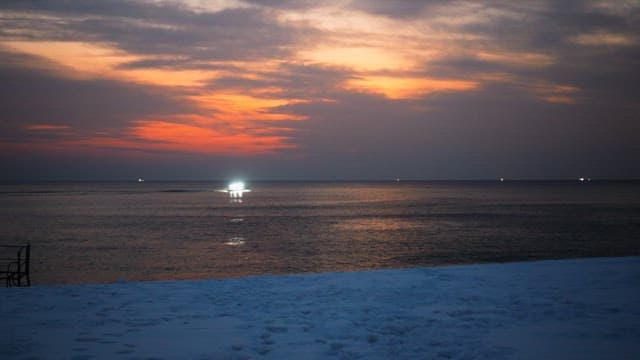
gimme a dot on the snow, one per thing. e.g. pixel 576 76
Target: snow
pixel 567 309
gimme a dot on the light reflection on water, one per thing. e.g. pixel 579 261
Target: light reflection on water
pixel 235 241
pixel 379 224
pixel 100 232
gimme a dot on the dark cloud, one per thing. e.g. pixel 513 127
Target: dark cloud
pixel 226 35
pixel 395 9
pixel 175 63
pixel 547 28
pixel 600 72
pixel 286 4
pixel 33 92
pixel 311 82
pixel 135 10
pixel 243 34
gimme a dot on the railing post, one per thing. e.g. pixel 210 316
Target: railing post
pixel 19 260
pixel 26 264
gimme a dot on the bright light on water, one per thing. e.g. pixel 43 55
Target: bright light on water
pixel 236 186
pixel 236 189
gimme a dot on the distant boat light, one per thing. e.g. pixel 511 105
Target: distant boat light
pixel 236 189
pixel 236 186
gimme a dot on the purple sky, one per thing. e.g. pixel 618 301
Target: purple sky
pixel 112 90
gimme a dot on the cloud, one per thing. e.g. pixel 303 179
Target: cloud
pixel 397 9
pixel 407 88
pixel 375 88
pixel 34 94
pixel 602 38
pixel 46 127
pixel 69 114
pixel 286 4
pixel 157 32
pixel 188 138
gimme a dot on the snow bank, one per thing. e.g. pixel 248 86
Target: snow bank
pixel 567 309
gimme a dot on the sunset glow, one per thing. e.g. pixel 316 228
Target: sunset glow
pixel 181 137
pixel 402 88
pixel 243 78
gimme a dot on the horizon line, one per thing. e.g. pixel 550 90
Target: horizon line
pixel 577 179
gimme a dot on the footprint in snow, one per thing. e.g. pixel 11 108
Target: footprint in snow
pixel 277 329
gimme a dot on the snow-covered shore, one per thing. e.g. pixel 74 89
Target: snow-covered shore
pixel 569 309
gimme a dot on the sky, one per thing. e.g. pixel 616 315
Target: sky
pixel 319 90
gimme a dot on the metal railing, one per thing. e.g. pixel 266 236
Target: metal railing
pixel 14 264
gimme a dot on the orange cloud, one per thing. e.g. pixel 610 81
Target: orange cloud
pixel 166 135
pixel 46 127
pixel 602 38
pixel 160 135
pixel 357 58
pixel 84 60
pixel 235 107
pixel 407 88
pixel 554 93
pixel 88 60
pixel 522 59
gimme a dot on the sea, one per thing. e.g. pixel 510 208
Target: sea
pixel 102 232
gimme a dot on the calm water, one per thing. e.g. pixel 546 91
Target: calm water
pixel 101 232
